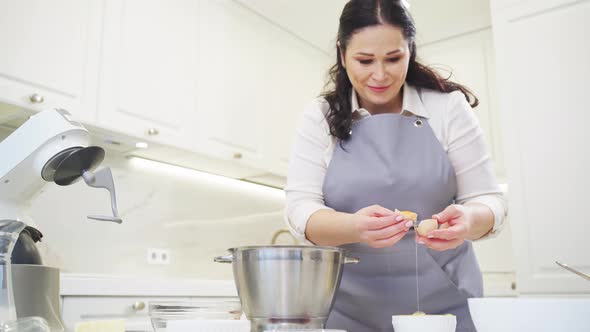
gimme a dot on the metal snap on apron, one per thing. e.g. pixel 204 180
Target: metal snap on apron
pixel 396 161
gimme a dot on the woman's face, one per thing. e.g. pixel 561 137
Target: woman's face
pixel 376 62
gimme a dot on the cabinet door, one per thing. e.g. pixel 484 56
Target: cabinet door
pixel 463 16
pixel 147 83
pixel 255 79
pixel 232 80
pixel 298 72
pixel 543 70
pixel 515 9
pixel 469 58
pixel 133 309
pixel 49 54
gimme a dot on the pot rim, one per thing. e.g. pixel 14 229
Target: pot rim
pixel 305 247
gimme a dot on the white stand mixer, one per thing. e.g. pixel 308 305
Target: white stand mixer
pixel 49 147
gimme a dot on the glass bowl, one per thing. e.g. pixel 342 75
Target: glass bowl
pixel 161 312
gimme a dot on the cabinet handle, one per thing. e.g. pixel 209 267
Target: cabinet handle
pixel 138 306
pixel 36 98
pixel 237 155
pixel 153 131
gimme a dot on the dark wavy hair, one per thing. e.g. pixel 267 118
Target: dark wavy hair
pixel 359 14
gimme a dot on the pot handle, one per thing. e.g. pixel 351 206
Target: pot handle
pixel 351 260
pixel 224 259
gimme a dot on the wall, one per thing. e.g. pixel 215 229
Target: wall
pixel 195 216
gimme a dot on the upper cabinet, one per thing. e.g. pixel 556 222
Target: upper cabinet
pixel 543 70
pixel 516 8
pixel 440 20
pixel 469 59
pixel 314 21
pixel 254 80
pixel 149 68
pixel 212 77
pixel 49 55
pixel 231 71
pixel 298 76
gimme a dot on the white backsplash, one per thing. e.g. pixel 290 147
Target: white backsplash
pixel 193 217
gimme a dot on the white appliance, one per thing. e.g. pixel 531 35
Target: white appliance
pixel 49 147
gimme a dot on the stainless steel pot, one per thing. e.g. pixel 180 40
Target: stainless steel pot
pixel 286 286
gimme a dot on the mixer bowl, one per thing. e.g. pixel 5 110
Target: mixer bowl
pixel 286 286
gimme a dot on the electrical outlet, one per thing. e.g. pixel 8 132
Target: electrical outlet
pixel 165 256
pixel 158 256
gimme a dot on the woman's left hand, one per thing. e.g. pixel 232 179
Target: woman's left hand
pixel 455 223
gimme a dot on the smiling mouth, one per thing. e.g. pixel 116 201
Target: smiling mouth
pixel 378 88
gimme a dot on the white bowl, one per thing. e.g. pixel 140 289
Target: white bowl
pixel 530 314
pixel 304 330
pixel 418 323
pixel 206 325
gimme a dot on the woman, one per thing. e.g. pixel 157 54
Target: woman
pixel 392 134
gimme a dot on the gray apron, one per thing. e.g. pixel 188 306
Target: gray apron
pixel 396 161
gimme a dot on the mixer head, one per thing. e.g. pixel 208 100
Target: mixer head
pixel 68 166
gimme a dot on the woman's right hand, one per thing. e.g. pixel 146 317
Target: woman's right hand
pixel 380 227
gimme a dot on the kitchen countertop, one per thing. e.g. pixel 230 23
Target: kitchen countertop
pixel 108 285
pixel 496 284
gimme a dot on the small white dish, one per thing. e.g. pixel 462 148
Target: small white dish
pixel 305 330
pixel 208 325
pixel 430 323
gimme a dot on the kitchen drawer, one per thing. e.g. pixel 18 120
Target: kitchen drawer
pixel 134 309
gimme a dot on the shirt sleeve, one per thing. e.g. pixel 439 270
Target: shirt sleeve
pixel 469 155
pixel 307 169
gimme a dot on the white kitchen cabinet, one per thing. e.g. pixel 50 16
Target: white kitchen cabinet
pixel 298 74
pixel 49 54
pixel 254 80
pixel 148 70
pixel 133 309
pixel 517 8
pixel 440 20
pixel 496 261
pixel 470 60
pixel 543 69
pixel 231 76
pixel 101 297
pixel 495 254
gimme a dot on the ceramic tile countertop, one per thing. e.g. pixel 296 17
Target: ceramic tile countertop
pixel 106 285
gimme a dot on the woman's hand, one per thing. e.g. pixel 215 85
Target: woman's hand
pixel 455 224
pixel 380 227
